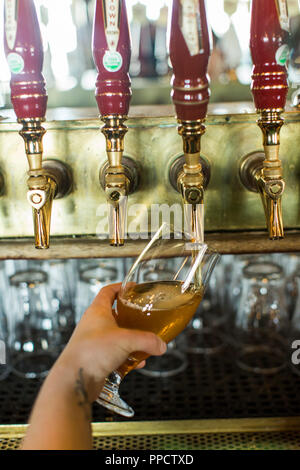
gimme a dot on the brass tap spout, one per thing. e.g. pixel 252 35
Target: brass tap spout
pixel 190 180
pixel 41 188
pixel 47 180
pixel 116 182
pixel 269 178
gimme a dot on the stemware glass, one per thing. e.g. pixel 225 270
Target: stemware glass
pixel 295 327
pixel 262 322
pixel 205 332
pixel 34 338
pixel 164 306
pixel 5 365
pixel 290 264
pixel 60 280
pixel 91 280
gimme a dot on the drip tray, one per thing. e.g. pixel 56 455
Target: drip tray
pixel 209 388
pixel 237 441
pixel 212 389
pixel 242 434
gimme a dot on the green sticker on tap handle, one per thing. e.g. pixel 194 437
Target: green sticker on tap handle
pixel 112 61
pixel 15 63
pixel 282 54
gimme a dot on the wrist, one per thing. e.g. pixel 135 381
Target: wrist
pixel 77 378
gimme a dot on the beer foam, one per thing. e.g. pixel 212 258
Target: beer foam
pixel 158 295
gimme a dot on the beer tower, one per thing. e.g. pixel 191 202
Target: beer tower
pixel 24 51
pixel 189 53
pixel 112 52
pixel 262 172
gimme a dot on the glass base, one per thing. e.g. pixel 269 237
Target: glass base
pixel 261 351
pixel 173 362
pixel 32 366
pixel 204 340
pixel 262 360
pixel 4 371
pixel 110 398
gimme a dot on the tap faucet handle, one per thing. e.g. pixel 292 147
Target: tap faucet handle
pixel 189 52
pixel 24 51
pixel 112 53
pixel 269 49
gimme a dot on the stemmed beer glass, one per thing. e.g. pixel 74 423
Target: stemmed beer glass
pixel 164 306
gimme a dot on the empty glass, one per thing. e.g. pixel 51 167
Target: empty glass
pixel 290 264
pixel 91 280
pixel 294 340
pixel 117 263
pixel 205 332
pixel 234 289
pixel 262 323
pixel 5 366
pixel 61 276
pixel 34 337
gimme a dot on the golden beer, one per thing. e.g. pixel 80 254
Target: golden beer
pixel 159 307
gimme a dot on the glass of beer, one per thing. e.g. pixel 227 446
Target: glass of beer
pixel 163 306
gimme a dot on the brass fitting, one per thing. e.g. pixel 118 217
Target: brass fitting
pixel 265 174
pixel 46 181
pixel 270 180
pixel 190 181
pixel 116 181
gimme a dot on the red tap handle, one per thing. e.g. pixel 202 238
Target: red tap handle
pixel 189 53
pixel 24 51
pixel 269 50
pixel 112 53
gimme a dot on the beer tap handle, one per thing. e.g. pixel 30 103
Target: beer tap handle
pixel 270 52
pixel 24 51
pixel 112 53
pixel 189 53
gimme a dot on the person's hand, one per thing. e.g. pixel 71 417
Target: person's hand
pixel 98 346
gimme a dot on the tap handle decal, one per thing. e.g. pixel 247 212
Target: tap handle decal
pixel 112 52
pixel 270 52
pixel 24 52
pixel 189 53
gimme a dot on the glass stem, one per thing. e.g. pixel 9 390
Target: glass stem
pixel 115 378
pixel 112 383
pixel 109 396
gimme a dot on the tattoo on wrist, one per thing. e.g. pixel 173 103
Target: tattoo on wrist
pixel 81 392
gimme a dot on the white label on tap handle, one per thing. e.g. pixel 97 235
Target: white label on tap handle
pixel 283 14
pixel 11 9
pixel 190 25
pixel 112 20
